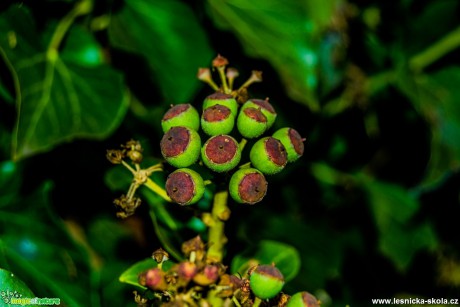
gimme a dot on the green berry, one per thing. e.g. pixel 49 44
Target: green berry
pixel 181 115
pixel 221 153
pixel 251 122
pixel 180 146
pixel 217 119
pixel 185 186
pixel 292 141
pixel 223 99
pixel 266 108
pixel 266 281
pixel 268 155
pixel 247 186
pixel 303 299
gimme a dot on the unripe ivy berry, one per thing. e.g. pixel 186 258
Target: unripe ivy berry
pixel 266 108
pixel 303 299
pixel 153 279
pixel 251 122
pixel 221 153
pixel 208 275
pixel 185 186
pixel 181 115
pixel 180 146
pixel 292 141
pixel 223 99
pixel 268 155
pixel 217 119
pixel 266 281
pixel 247 186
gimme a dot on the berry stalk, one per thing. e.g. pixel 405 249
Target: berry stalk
pixel 219 214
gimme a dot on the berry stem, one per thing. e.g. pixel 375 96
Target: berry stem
pixel 223 78
pixel 216 234
pixel 149 183
pixel 204 74
pixel 242 143
pixel 245 165
pixel 436 51
pixel 81 8
pixel 235 301
pixel 257 302
pixel 132 170
pixel 256 76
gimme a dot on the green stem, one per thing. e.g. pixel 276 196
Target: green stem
pixel 436 51
pixel 81 8
pixel 157 189
pixel 216 233
pixel 243 143
pixel 257 302
pixel 235 301
pixel 223 79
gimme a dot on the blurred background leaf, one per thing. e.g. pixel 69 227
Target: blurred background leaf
pixel 284 33
pixel 374 211
pixel 57 98
pixel 11 283
pixel 166 34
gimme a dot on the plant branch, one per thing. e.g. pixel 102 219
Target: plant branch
pixel 81 8
pixel 149 183
pixel 219 214
pixel 435 51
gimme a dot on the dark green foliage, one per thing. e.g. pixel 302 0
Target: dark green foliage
pixel 368 211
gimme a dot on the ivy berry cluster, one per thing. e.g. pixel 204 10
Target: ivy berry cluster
pixel 182 146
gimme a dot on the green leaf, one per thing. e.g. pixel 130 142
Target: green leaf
pixel 58 96
pixel 283 33
pixel 35 245
pixel 170 38
pixel 285 257
pixel 10 181
pixel 436 97
pixel 393 207
pixel 12 287
pixel 131 275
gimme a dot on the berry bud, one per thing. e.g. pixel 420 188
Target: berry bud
pixel 222 99
pixel 221 153
pixel 180 146
pixel 181 115
pixel 268 155
pixel 153 279
pixel 187 270
pixel 266 281
pixel 266 108
pixel 248 186
pixel 251 122
pixel 185 186
pixel 292 141
pixel 217 119
pixel 208 275
pixel 303 299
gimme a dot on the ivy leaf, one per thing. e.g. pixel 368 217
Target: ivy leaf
pixel 169 37
pixel 12 285
pixel 285 257
pixel 393 207
pixel 282 33
pixel 58 97
pixel 36 245
pixel 436 97
pixel 131 275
